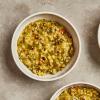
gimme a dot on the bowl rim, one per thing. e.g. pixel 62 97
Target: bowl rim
pixel 74 83
pixel 58 15
pixel 98 36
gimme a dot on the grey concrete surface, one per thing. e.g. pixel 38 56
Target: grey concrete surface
pixel 84 14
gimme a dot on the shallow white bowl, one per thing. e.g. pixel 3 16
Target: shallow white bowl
pixel 59 91
pixel 51 16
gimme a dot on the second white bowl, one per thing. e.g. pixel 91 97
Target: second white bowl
pixel 59 91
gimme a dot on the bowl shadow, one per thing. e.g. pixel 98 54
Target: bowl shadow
pixel 15 72
pixel 92 20
pixel 93 46
pixel 92 43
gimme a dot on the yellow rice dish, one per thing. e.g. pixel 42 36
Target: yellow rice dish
pixel 45 47
pixel 79 93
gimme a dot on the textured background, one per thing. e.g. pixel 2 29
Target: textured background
pixel 84 14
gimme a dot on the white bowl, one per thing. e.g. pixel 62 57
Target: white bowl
pixel 59 91
pixel 99 35
pixel 50 16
